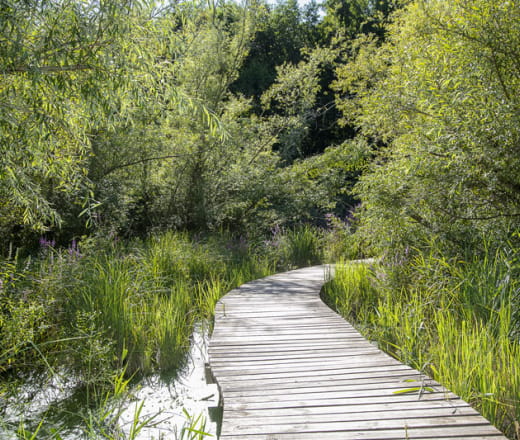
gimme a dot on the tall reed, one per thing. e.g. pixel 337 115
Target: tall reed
pixel 457 321
pixel 104 307
pixel 85 305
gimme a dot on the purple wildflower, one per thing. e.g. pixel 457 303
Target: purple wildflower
pixel 74 249
pixel 46 244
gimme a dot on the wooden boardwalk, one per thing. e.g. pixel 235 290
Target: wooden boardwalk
pixel 288 367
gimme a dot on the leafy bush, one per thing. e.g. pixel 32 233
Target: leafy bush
pixel 438 101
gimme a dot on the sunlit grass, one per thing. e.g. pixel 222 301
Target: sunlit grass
pixel 457 321
pixel 109 308
pixel 147 297
pixel 113 308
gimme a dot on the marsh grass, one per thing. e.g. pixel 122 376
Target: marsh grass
pixel 105 308
pixel 352 291
pixel 148 296
pixel 301 246
pixel 457 321
pixel 110 307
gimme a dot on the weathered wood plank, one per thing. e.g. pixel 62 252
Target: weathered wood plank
pixel 382 387
pixel 347 397
pixel 357 382
pixel 241 404
pixel 288 367
pixel 340 416
pixel 242 427
pixel 283 358
pixel 482 432
pixel 287 350
pixel 449 408
pixel 320 365
pixel 293 330
pixel 337 372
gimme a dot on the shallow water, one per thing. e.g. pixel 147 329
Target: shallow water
pixel 189 391
pixel 165 401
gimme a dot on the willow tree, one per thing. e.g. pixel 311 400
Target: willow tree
pixel 68 70
pixel 167 168
pixel 175 171
pixel 440 101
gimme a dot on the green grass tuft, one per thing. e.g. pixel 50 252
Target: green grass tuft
pixel 456 320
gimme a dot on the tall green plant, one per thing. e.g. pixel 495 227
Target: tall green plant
pixel 454 320
pixel 77 78
pixel 439 102
pixel 300 246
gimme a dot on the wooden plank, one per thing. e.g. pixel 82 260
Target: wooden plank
pixel 235 419
pixel 452 407
pixel 321 364
pixel 323 382
pixel 273 353
pixel 285 341
pixel 481 432
pixel 283 357
pixel 341 372
pixel 270 335
pixel 347 396
pixel 288 367
pixel 281 321
pixel 242 404
pixel 273 331
pixel 296 380
pixel 297 326
pixel 397 423
pixel 391 387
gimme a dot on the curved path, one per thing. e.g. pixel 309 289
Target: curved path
pixel 288 367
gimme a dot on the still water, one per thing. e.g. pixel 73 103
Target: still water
pixel 188 392
pixel 165 401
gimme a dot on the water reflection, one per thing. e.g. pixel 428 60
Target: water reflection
pixel 189 391
pixel 163 399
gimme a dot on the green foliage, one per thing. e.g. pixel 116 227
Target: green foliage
pixel 442 96
pixel 456 320
pixel 75 75
pixel 283 30
pixel 293 98
pixel 178 172
pixel 302 246
pixel 353 291
pixel 24 320
pixel 147 297
pixel 58 62
pixel 105 305
pixel 126 117
pixel 198 180
pixel 195 429
pixel 353 17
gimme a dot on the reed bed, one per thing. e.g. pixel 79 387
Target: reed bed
pixel 456 320
pixel 103 306
pixel 83 316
